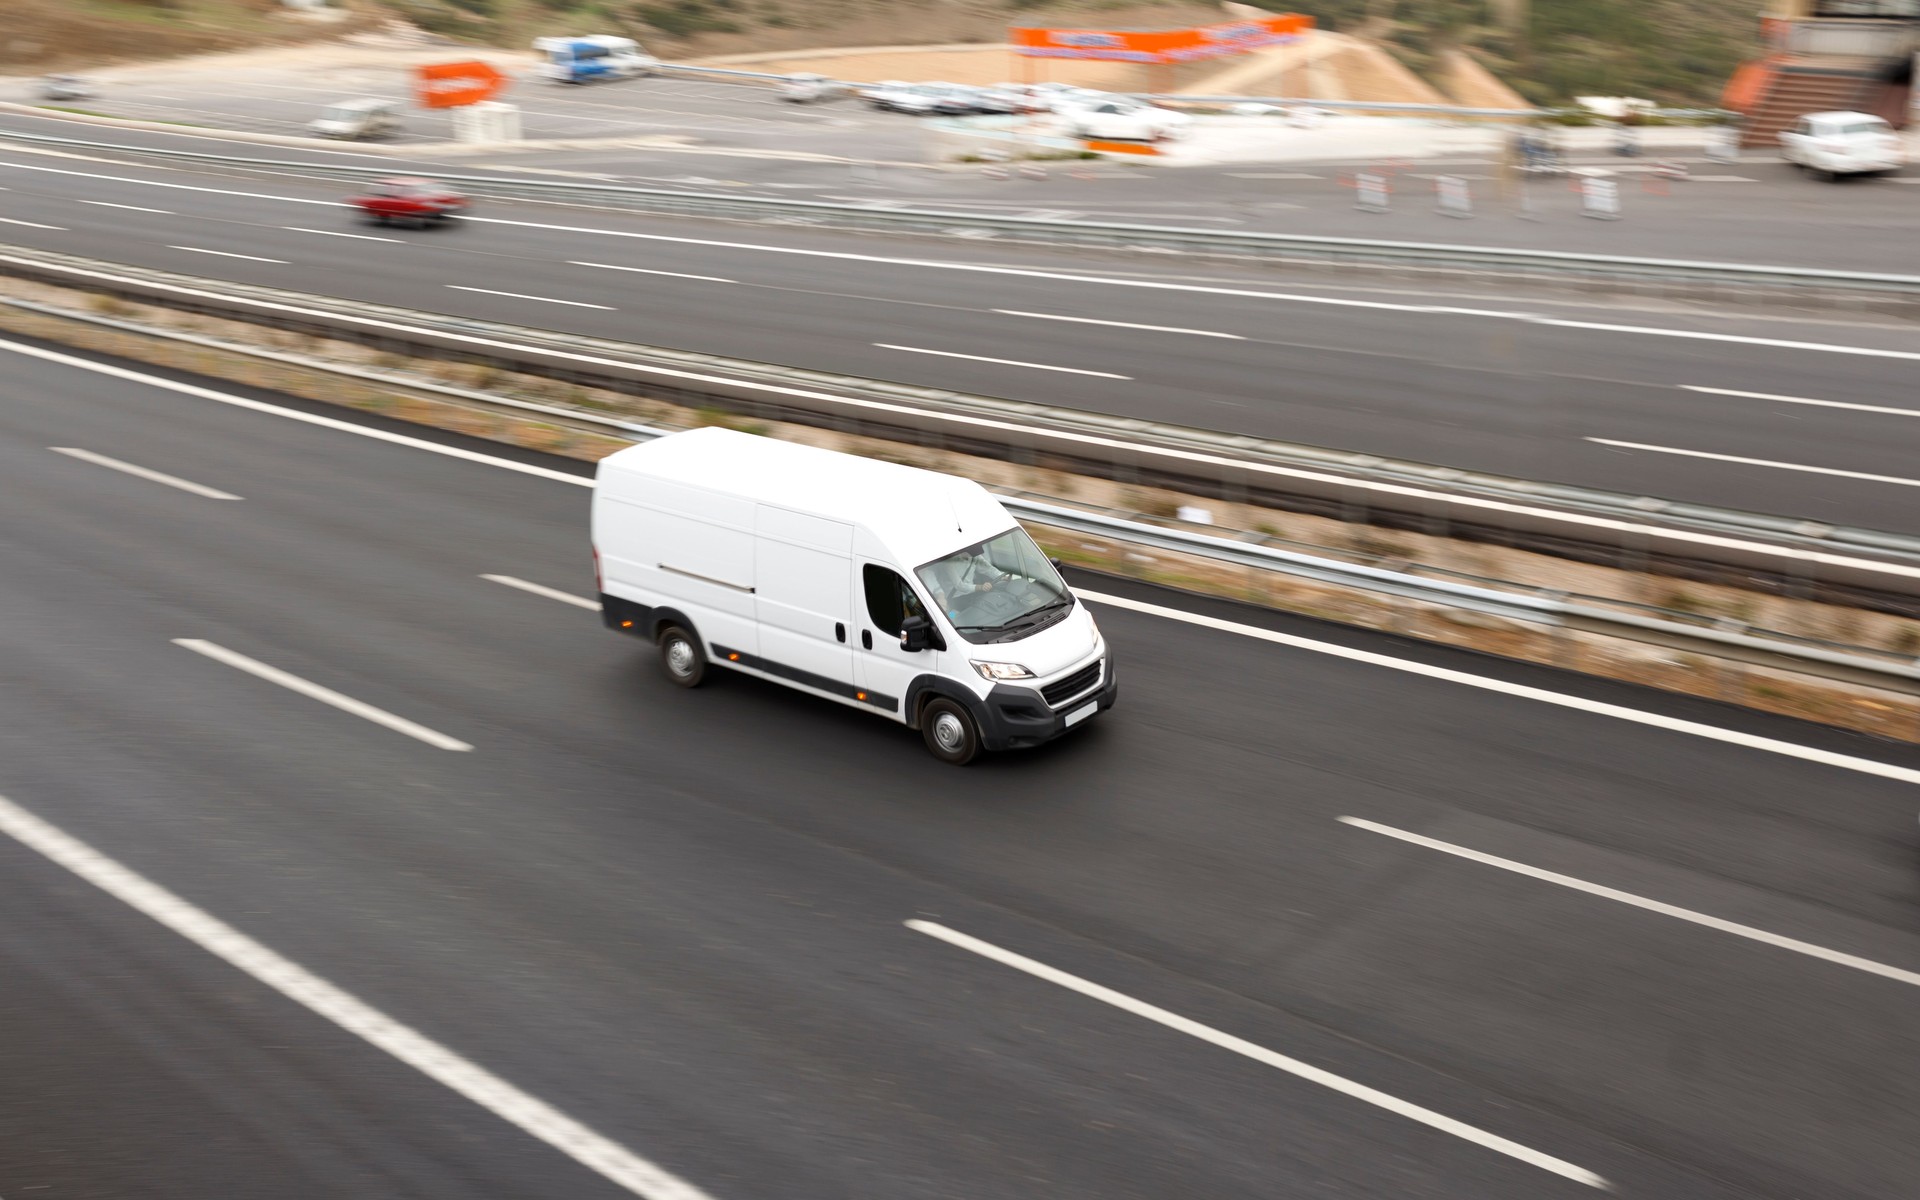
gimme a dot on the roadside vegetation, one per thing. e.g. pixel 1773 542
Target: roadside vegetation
pixel 700 27
pixel 53 35
pixel 1673 51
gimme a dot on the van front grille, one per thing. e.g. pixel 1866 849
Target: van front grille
pixel 1066 689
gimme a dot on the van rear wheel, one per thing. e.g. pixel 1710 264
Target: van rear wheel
pixel 681 656
pixel 950 731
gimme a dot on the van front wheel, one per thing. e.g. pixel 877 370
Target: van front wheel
pixel 950 731
pixel 680 655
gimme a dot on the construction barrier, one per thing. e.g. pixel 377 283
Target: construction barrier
pixel 1599 197
pixel 1370 192
pixel 1452 196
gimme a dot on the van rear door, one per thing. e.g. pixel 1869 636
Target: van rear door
pixel 803 578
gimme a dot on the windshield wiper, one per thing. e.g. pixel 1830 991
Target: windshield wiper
pixel 1028 618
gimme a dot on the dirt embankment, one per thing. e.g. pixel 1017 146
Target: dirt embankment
pixel 39 36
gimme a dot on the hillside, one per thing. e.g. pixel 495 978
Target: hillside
pixel 1673 51
pixel 698 28
pixel 51 35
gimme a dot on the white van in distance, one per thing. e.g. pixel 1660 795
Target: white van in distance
pixel 903 592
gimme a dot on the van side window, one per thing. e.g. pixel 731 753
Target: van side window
pixel 889 599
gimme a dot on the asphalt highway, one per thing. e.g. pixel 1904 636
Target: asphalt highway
pixel 1804 416
pixel 659 940
pixel 742 141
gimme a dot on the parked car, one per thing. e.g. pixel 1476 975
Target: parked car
pixel 1120 121
pixel 1842 143
pixel 895 591
pixel 921 99
pixel 358 120
pixel 411 201
pixel 958 99
pixel 807 88
pixel 1026 97
pixel 879 95
pixel 66 87
pixel 1066 98
pixel 997 101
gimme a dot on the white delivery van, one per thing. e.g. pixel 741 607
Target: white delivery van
pixel 887 588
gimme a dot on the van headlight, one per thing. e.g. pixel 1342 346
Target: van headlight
pixel 1000 670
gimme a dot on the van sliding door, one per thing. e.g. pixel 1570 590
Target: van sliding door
pixel 802 596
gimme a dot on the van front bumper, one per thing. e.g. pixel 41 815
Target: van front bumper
pixel 1012 717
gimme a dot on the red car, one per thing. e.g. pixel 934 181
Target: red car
pixel 410 201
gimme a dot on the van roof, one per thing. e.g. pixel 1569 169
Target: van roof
pixel 917 515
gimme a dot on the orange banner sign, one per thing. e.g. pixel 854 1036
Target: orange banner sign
pixel 451 85
pixel 1161 45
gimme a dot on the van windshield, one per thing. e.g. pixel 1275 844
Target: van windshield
pixel 997 590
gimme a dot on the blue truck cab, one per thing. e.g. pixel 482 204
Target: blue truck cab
pixel 592 59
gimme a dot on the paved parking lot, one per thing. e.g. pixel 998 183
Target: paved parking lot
pixel 704 111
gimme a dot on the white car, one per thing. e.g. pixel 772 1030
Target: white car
pixel 914 99
pixel 879 94
pixel 1842 143
pixel 807 88
pixel 1069 98
pixel 1120 121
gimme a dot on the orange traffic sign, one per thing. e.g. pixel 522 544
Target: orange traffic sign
pixel 451 85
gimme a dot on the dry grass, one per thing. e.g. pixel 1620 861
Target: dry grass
pixel 53 35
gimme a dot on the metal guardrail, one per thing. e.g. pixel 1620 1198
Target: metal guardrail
pixel 1283 247
pixel 1509 601
pixel 1860 567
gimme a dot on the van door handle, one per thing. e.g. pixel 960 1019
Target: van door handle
pixel 840 630
pixel 866 639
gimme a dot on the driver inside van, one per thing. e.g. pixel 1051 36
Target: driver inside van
pixel 962 573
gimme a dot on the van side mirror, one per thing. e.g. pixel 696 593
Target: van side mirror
pixel 916 634
pixel 1056 563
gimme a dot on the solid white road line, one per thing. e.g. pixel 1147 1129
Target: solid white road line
pixel 1035 273
pixel 540 589
pixel 363 237
pixel 1260 1054
pixel 230 254
pixel 542 299
pixel 1667 910
pixel 1099 441
pixel 178 187
pixel 173 481
pixel 645 271
pixel 292 414
pixel 1872 408
pixel 1008 312
pixel 1759 462
pixel 534 1116
pixel 1847 762
pixel 129 207
pixel 1004 362
pixel 33 224
pixel 313 691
